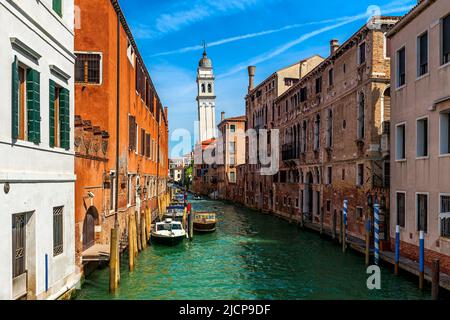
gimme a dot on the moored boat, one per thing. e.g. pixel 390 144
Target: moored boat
pixel 205 222
pixel 175 212
pixel 168 233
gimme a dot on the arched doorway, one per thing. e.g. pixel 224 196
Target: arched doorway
pixel 90 220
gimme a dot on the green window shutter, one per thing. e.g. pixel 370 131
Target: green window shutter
pixel 33 106
pixel 57 7
pixel 15 99
pixel 52 113
pixel 64 118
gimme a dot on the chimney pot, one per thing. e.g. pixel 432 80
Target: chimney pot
pixel 251 78
pixel 334 45
pixel 222 116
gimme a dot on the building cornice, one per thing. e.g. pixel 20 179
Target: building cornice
pixel 411 15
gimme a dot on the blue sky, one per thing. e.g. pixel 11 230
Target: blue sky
pixel 270 34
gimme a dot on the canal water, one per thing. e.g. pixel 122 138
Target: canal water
pixel 251 256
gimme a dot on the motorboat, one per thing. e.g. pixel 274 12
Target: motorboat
pixel 175 212
pixel 168 232
pixel 205 222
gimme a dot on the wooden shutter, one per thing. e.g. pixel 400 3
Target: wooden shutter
pixel 33 106
pixel 147 145
pixel 57 7
pixel 132 133
pixel 64 118
pixel 446 35
pixel 51 119
pixel 15 99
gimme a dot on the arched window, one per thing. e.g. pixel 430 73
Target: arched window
pixel 203 88
pixel 361 116
pixel 317 133
pixel 304 136
pixel 330 129
pixel 209 88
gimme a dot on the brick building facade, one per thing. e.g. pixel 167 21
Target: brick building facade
pixel 113 83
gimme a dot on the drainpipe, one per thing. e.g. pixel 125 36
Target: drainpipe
pixel 116 195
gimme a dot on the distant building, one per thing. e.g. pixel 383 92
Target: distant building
pixel 420 131
pixel 37 179
pixel 261 111
pixel 232 155
pixel 205 180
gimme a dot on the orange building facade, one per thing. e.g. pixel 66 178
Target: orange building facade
pixel 113 83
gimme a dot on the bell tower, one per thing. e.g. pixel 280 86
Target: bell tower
pixel 206 98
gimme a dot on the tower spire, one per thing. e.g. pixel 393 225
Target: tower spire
pixel 204 48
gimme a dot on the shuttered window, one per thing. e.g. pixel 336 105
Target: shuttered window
pixel 54 115
pixel 147 145
pixel 64 118
pixel 33 106
pixel 57 7
pixel 142 153
pixel 58 242
pixel 132 132
pixel 15 99
pixel 445 216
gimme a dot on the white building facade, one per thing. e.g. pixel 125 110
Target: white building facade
pixel 206 99
pixel 37 180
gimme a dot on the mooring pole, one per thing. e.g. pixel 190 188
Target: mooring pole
pixel 421 260
pixel 368 228
pixel 435 280
pixel 397 249
pixel 376 213
pixel 130 243
pixel 344 230
pixel 113 278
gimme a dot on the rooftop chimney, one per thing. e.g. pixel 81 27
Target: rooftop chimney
pixel 251 77
pixel 222 116
pixel 334 45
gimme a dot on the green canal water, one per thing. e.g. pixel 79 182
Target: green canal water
pixel 251 256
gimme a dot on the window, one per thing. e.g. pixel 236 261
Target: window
pixel 232 128
pixel 445 132
pixel 400 142
pixel 26 118
pixel 303 94
pixel 112 190
pixel 387 47
pixel 59 116
pixel 58 243
pixel 147 145
pixel 209 88
pixel 422 54
pixel 304 136
pixel 329 175
pixel 132 132
pixel 317 133
pixel 130 189
pixel 446 40
pixel 361 116
pixel 88 68
pixel 422 212
pixel 130 52
pixel 330 77
pixel 360 175
pixel 319 85
pixel 142 142
pixel 57 7
pixel 233 177
pixel 330 129
pixel 445 216
pixel 362 53
pixel 401 209
pixel 401 67
pixel 359 214
pixel 422 137
pixel 328 205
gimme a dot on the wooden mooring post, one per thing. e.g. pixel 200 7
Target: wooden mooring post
pixel 135 242
pixel 334 225
pixel 397 250
pixel 367 252
pixel 138 233
pixel 435 280
pixel 113 261
pixel 344 225
pixel 130 243
pixel 422 260
pixel 143 232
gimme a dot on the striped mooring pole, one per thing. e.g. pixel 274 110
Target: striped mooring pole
pixel 397 248
pixel 422 260
pixel 344 235
pixel 376 213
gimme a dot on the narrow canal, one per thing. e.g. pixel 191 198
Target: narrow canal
pixel 251 256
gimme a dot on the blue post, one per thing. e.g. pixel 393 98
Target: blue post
pixel 376 211
pixel 46 272
pixel 344 234
pixel 422 260
pixel 397 248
